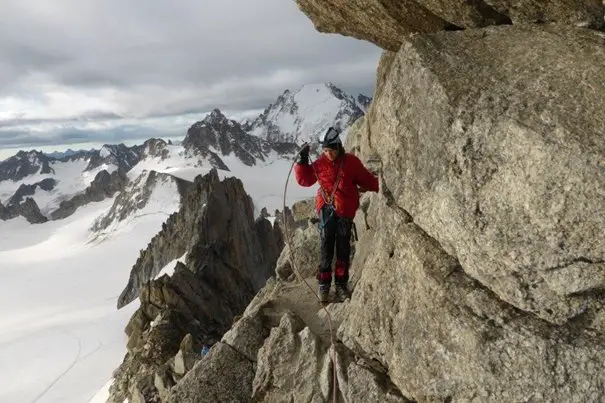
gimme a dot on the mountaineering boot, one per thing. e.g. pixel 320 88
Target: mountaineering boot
pixel 342 292
pixel 324 293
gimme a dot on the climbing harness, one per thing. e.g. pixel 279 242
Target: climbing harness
pixel 295 269
pixel 328 198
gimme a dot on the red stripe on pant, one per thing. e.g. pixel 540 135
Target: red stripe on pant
pixel 324 277
pixel 342 272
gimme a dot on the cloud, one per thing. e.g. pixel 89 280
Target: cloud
pixel 70 61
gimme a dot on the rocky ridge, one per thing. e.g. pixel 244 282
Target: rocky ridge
pixel 28 209
pixel 104 185
pixel 24 190
pixel 229 257
pixel 217 136
pixel 24 163
pixel 301 115
pixel 135 195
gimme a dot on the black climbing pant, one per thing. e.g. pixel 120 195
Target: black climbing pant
pixel 335 233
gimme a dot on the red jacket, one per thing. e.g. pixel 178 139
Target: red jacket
pixel 346 197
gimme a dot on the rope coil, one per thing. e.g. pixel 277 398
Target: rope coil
pixel 297 272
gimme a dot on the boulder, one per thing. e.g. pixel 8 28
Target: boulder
pixel 493 142
pixel 305 244
pixel 386 23
pixel 443 336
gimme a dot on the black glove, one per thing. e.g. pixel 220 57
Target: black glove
pixel 303 155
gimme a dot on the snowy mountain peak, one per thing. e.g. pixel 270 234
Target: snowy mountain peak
pixel 216 116
pixel 150 193
pixel 217 135
pixel 116 155
pixel 302 115
pixel 23 164
pixel 154 148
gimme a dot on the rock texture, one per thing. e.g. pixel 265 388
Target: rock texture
pixel 229 258
pixel 301 115
pixel 503 164
pixel 217 136
pixel 280 350
pixel 224 211
pixel 136 195
pixel 103 186
pixel 24 190
pixel 119 155
pixel 28 209
pixel 387 22
pixel 498 281
pixel 23 164
pixel 444 336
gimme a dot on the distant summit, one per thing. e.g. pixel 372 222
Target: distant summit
pixel 301 115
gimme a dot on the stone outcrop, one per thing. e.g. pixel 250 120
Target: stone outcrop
pixel 23 164
pixel 104 185
pixel 386 23
pixel 118 155
pixel 207 197
pixel 28 209
pixel 443 335
pixel 25 190
pixel 280 350
pixel 500 158
pixel 485 232
pixel 230 256
pixel 137 194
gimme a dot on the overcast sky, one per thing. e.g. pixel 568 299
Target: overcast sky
pixel 73 70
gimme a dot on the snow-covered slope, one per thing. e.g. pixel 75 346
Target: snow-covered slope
pixel 71 178
pixel 149 194
pixel 300 116
pixel 61 336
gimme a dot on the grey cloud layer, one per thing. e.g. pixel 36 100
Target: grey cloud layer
pixel 165 57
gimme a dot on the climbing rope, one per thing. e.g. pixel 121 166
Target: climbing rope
pixel 295 269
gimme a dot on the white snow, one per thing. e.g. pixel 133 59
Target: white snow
pixel 169 268
pixel 264 182
pixel 306 114
pixel 61 335
pixel 71 180
pixel 104 152
pixel 163 201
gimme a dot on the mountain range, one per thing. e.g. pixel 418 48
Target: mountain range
pixel 42 187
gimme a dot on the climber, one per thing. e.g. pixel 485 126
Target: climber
pixel 341 176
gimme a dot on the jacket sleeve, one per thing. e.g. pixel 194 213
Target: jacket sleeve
pixel 304 175
pixel 364 178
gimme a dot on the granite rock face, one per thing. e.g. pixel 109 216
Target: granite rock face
pixel 387 22
pixel 500 158
pixel 104 185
